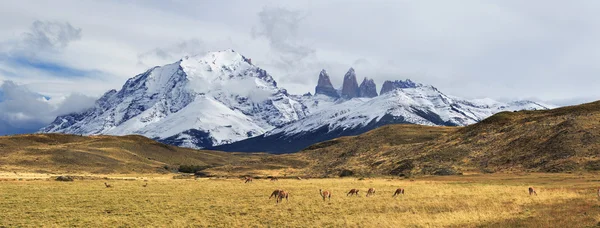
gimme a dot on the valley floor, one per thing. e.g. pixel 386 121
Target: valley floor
pixel 494 200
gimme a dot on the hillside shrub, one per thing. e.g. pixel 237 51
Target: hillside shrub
pixel 192 168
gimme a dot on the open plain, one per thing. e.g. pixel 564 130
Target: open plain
pixel 478 200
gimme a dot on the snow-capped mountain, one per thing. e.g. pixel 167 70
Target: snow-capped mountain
pixel 221 100
pixel 199 101
pixel 408 102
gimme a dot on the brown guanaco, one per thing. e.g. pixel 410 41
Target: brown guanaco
pixel 282 194
pixel 398 192
pixel 371 191
pixel 248 179
pixel 325 194
pixel 107 185
pixel 274 179
pixel 532 191
pixel 599 192
pixel 353 191
pixel 275 193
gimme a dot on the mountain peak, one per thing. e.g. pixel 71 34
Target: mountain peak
pixel 324 85
pixel 350 86
pixel 367 88
pixel 398 84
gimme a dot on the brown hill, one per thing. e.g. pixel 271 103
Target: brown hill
pixel 559 140
pixel 60 153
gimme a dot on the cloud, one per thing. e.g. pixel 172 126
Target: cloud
pixel 22 110
pixel 47 36
pixel 281 27
pixel 173 52
pixel 474 49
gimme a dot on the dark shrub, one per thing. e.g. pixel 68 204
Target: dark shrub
pixel 201 174
pixel 346 173
pixel 64 178
pixel 403 169
pixel 191 168
pixel 592 165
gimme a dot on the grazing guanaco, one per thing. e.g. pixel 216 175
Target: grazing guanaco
pixel 282 194
pixel 398 192
pixel 599 192
pixel 275 193
pixel 107 185
pixel 532 191
pixel 371 191
pixel 248 179
pixel 325 194
pixel 274 179
pixel 353 191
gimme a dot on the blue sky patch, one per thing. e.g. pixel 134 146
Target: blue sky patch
pixel 53 68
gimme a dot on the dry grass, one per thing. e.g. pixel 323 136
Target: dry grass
pixel 60 153
pixel 556 141
pixel 461 201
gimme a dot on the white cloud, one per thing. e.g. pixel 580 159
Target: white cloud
pixel 22 110
pixel 546 50
pixel 172 53
pixel 48 36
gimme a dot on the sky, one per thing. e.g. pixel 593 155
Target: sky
pixel 505 50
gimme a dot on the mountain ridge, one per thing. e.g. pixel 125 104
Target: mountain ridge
pixel 205 101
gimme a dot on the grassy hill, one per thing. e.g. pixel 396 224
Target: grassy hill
pixel 559 140
pixel 60 153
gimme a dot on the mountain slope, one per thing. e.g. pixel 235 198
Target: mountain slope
pixel 222 101
pixel 416 104
pixel 559 140
pixel 60 153
pixel 197 102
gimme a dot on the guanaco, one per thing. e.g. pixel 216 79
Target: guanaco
pixel 371 191
pixel 248 179
pixel 282 194
pixel 145 184
pixel 325 194
pixel 599 192
pixel 532 191
pixel 299 178
pixel 274 179
pixel 107 185
pixel 275 193
pixel 398 192
pixel 353 191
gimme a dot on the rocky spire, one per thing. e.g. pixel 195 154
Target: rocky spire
pixel 350 87
pixel 324 85
pixel 367 88
pixel 398 84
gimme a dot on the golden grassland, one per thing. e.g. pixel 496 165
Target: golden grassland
pixel 492 200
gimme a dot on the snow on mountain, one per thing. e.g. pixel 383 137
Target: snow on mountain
pixel 423 105
pixel 197 102
pixel 221 100
pixel 415 104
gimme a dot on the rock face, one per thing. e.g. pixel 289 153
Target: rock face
pixel 367 88
pixel 398 84
pixel 324 86
pixel 350 86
